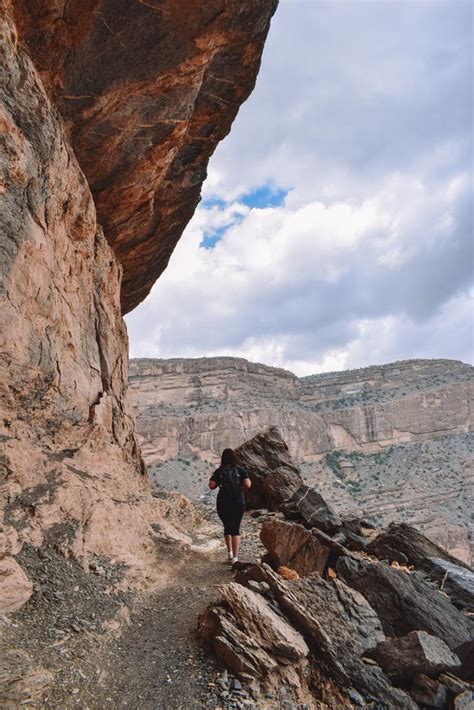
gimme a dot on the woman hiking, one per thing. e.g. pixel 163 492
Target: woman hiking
pixel 231 480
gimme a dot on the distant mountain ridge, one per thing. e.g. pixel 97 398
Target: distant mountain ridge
pixel 391 441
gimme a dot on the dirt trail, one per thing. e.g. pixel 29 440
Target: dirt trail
pixel 158 661
pixel 154 660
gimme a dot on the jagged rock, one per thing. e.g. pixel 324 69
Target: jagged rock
pixel 249 637
pixel 355 542
pixel 294 546
pixel 385 552
pixel 145 112
pixel 308 504
pixel 260 621
pixel 417 652
pixel 21 682
pixel 429 692
pixel 456 580
pixel 405 602
pixel 15 587
pixel 271 469
pixel 338 625
pixel 414 545
pixel 453 683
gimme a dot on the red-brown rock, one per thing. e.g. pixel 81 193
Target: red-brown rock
pixel 294 546
pixel 147 90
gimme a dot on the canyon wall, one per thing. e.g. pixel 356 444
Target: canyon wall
pixel 71 472
pixel 392 442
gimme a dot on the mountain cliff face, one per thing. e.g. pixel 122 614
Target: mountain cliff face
pixel 392 442
pixel 128 99
pixel 146 91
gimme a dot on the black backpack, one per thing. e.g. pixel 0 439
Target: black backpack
pixel 230 482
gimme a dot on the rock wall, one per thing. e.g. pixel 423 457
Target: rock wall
pixel 128 98
pixel 70 465
pixel 205 404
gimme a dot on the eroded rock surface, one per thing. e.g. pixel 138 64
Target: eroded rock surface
pixel 417 652
pixel 293 546
pixel 146 90
pixel 71 471
pixel 274 476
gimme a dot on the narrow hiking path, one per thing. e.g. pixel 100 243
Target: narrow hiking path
pixel 158 661
pixel 109 649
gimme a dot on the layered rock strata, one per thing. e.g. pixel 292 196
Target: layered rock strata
pixel 391 442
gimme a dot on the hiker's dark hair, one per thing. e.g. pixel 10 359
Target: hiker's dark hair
pixel 228 458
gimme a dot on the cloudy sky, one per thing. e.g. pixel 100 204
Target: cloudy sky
pixel 336 224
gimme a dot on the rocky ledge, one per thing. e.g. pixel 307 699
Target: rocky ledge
pixel 340 614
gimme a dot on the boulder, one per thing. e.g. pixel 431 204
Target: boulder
pixel 417 652
pixel 294 546
pixel 339 626
pixel 249 637
pixel 308 504
pixel 413 544
pixel 405 602
pixel 454 579
pixel 429 693
pixel 465 652
pixel 274 475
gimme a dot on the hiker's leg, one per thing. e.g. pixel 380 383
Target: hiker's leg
pixel 235 545
pixel 237 519
pixel 228 542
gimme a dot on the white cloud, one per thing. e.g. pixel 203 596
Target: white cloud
pixel 363 113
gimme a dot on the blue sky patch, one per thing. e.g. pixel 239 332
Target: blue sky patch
pixel 210 202
pixel 265 196
pixel 210 239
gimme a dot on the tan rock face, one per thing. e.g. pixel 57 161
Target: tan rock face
pixel 147 90
pixel 15 587
pixel 70 470
pixel 392 442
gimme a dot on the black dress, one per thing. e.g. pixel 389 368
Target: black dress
pixel 230 507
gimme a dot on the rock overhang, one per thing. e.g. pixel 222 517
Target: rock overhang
pixel 146 90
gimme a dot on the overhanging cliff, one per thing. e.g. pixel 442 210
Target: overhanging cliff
pixel 146 90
